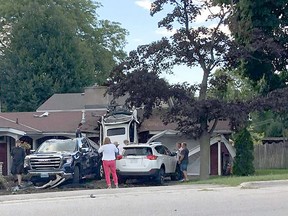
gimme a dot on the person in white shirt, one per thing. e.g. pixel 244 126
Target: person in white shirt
pixel 121 146
pixel 178 150
pixel 109 151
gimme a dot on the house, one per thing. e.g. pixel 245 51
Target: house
pixel 59 116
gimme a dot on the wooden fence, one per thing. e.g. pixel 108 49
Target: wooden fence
pixel 271 156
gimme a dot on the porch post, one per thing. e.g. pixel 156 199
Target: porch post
pixel 219 158
pixel 34 144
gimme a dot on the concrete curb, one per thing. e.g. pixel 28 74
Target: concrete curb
pixel 261 184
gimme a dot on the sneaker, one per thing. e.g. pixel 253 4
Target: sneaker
pixel 116 186
pixel 182 180
pixel 109 187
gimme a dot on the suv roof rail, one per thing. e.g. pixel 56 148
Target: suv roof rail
pixel 153 143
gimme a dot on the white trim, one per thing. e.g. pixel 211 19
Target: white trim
pixel 219 158
pixel 11 130
pixel 169 132
pixel 74 110
pixel 162 133
pixel 214 140
pixel 58 134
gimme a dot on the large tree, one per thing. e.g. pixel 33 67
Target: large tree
pixel 54 46
pixel 260 29
pixel 192 46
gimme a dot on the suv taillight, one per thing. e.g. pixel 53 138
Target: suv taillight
pixel 151 157
pixel 119 157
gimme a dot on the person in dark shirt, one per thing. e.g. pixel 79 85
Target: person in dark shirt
pixel 78 131
pixel 183 161
pixel 18 156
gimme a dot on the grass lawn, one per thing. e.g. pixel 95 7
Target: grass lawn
pixel 260 175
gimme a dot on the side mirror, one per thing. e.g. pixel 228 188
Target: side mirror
pixel 32 151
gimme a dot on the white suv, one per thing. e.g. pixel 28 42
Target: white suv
pixel 153 161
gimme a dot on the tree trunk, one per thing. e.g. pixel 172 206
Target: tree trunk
pixel 204 155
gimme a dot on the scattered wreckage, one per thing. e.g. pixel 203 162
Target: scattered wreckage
pixel 56 161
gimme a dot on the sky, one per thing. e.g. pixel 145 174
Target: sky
pixel 134 16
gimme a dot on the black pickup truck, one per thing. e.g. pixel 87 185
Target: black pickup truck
pixel 69 158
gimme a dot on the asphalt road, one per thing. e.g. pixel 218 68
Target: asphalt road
pixel 166 200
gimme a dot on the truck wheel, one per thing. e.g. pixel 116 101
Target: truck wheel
pixel 76 175
pixel 160 177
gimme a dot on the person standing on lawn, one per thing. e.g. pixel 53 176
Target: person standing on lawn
pixel 109 151
pixel 178 155
pixel 18 156
pixel 183 161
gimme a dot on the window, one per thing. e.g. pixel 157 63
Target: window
pixel 137 151
pixel 168 152
pixel 116 131
pixel 68 145
pixel 160 150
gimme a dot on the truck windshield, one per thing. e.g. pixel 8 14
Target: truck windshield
pixel 58 146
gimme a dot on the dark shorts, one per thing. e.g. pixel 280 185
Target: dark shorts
pixel 17 169
pixel 183 166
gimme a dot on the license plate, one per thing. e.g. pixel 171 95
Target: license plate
pixel 44 175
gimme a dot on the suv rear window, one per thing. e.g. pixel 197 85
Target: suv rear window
pixel 142 151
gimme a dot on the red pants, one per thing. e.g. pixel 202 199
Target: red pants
pixel 110 166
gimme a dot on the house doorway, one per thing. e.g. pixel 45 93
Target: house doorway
pixel 3 157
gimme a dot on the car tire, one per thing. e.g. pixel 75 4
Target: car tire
pixel 76 175
pixel 160 177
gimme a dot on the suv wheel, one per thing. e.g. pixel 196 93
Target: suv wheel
pixel 76 175
pixel 161 176
pixel 121 180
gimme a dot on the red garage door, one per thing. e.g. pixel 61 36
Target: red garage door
pixel 3 157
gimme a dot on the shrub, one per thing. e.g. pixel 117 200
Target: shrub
pixel 3 183
pixel 243 164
